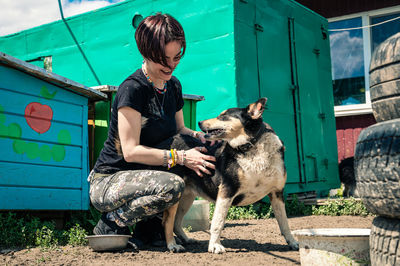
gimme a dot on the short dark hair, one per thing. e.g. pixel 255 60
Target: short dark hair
pixel 154 32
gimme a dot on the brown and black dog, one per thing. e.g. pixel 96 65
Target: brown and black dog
pixel 249 166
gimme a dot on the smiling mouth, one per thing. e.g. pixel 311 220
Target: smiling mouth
pixel 166 72
pixel 214 132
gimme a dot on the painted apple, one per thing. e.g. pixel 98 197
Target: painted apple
pixel 38 116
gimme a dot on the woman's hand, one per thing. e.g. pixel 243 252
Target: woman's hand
pixel 198 161
pixel 200 135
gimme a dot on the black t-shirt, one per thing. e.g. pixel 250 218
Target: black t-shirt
pixel 158 119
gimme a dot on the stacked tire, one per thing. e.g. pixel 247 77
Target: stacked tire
pixel 377 155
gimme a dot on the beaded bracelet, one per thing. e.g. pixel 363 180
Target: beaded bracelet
pixel 184 157
pixel 165 159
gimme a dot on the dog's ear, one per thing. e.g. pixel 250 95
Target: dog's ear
pixel 255 110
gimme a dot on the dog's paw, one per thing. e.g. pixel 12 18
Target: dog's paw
pixel 176 248
pixel 216 248
pixel 294 245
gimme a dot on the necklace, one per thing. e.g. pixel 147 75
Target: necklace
pixel 160 104
pixel 160 91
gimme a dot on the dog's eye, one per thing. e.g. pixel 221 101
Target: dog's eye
pixel 223 117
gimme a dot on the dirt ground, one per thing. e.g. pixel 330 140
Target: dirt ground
pixel 248 242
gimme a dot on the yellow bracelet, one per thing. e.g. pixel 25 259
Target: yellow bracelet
pixel 172 159
pixel 176 157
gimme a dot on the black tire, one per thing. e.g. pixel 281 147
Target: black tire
pixel 384 242
pixel 377 168
pixel 384 79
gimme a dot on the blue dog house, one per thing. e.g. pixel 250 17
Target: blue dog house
pixel 43 138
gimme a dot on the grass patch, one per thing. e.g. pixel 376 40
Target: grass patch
pixel 29 231
pixel 262 210
pixel 341 206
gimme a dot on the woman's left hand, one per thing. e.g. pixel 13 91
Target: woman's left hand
pixel 198 161
pixel 200 136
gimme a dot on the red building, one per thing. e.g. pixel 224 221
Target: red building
pixel 356 28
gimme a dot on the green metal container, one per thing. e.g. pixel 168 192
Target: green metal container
pixel 237 51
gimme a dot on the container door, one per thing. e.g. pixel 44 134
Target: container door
pixel 294 72
pixel 274 77
pixel 311 68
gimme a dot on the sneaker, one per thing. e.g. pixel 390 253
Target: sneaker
pixel 135 243
pixel 107 227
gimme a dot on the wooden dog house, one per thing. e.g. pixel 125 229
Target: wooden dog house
pixel 43 138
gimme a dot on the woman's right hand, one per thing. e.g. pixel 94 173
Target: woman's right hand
pixel 198 161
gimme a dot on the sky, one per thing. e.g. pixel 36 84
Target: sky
pixel 17 15
pixel 347 55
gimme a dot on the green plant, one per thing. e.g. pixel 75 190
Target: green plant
pixel 259 210
pixel 188 229
pixel 22 230
pixel 76 236
pixel 341 206
pixel 46 236
pixel 294 207
pixel 10 232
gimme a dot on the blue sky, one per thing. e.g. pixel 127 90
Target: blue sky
pixel 17 15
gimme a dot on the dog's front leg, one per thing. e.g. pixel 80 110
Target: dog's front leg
pixel 185 203
pixel 168 223
pixel 218 221
pixel 278 206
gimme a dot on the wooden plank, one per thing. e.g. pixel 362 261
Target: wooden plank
pixel 51 77
pixel 356 133
pixel 29 152
pixel 85 162
pixel 28 175
pixel 58 133
pixel 16 103
pixel 19 82
pixel 323 201
pixel 348 143
pixel 20 198
pixel 340 142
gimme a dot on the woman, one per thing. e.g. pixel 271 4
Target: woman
pixel 146 111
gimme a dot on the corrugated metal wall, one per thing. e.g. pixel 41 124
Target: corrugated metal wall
pixel 105 47
pixel 347 130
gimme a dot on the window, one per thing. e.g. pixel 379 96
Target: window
pixel 352 41
pixel 381 32
pixel 347 57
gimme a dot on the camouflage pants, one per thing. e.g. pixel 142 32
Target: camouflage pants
pixel 130 196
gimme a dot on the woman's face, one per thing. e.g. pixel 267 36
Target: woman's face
pixel 173 56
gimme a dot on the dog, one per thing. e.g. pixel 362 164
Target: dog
pixel 249 166
pixel 347 177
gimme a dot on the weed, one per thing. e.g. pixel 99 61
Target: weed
pixel 263 210
pixel 28 231
pixel 188 229
pixel 341 206
pixel 259 210
pixel 76 236
pixel 295 207
pixel 46 236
